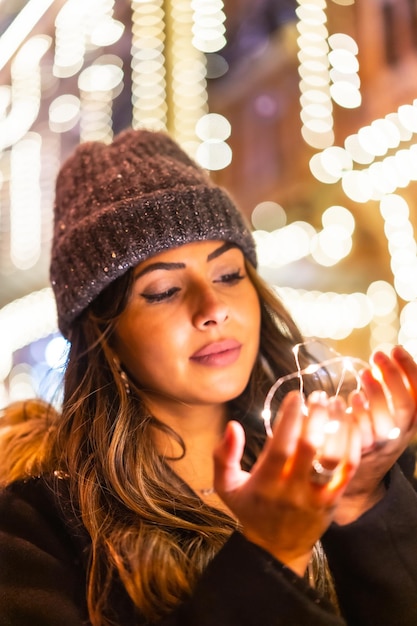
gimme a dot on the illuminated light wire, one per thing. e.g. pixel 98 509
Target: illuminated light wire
pixel 25 91
pixel 18 329
pixel 385 176
pixel 345 87
pixel 213 153
pixel 400 236
pixel 282 246
pixel 323 369
pixel 107 33
pixel 300 374
pixel 333 70
pixel 322 132
pixel 346 94
pixel 373 141
pixel 102 29
pixel 317 128
pixel 188 86
pixel 407 335
pixel 5 100
pixel 64 113
pixel 310 14
pixel 357 152
pixel 268 215
pixel 25 202
pixel 99 85
pixel 79 27
pixel 382 134
pixel 19 29
pixel 331 245
pixel 384 325
pixel 331 164
pixel 70 39
pixel 318 136
pixel 327 314
pixel 148 64
pixel 96 119
pixel 342 41
pixel 344 61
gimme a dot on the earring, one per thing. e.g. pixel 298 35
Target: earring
pixel 125 380
pixel 122 374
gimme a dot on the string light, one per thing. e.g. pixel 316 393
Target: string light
pixel 64 113
pixel 389 166
pixel 149 92
pixel 189 99
pixel 194 29
pixel 25 226
pixel 213 153
pixel 21 385
pixel 384 324
pixel 316 104
pixel 79 27
pixel 208 25
pixel 29 15
pixel 401 244
pixel 17 329
pixel 345 82
pixel 327 314
pixel 268 216
pixel 70 41
pixel 407 335
pixel 169 90
pixel 25 91
pixel 339 375
pixel 99 84
pixel 299 239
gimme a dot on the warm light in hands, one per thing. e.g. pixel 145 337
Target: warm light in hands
pixel 341 372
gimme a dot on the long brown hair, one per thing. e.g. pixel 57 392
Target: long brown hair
pixel 146 526
pixel 25 427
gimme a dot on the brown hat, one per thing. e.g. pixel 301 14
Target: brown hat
pixel 118 204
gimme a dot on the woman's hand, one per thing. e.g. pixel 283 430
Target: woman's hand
pixel 280 504
pixel 386 408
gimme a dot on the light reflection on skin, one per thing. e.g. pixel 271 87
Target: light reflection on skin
pixel 346 365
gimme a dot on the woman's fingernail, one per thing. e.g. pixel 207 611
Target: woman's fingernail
pixel 400 352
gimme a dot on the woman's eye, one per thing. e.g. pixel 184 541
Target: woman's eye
pixel 160 296
pixel 231 278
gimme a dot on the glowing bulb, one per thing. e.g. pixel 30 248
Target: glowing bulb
pixel 310 369
pixel 394 433
pixel 266 414
pixel 347 363
pixel 332 427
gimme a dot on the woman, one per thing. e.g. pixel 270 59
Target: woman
pixel 157 498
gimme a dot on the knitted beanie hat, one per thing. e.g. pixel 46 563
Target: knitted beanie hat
pixel 118 204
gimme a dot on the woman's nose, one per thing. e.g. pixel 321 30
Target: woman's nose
pixel 210 309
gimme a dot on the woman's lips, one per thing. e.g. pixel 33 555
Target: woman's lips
pixel 218 353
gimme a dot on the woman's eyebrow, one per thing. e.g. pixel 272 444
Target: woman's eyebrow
pixel 221 250
pixel 179 266
pixel 160 266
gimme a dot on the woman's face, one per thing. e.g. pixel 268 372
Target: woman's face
pixel 190 331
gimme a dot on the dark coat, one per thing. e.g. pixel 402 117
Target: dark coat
pixel 44 551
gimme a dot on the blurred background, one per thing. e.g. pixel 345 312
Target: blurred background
pixel 306 111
